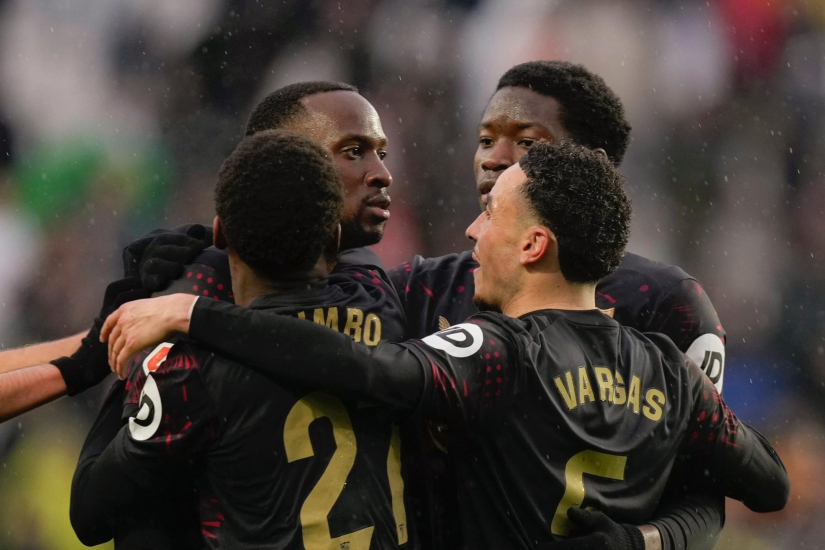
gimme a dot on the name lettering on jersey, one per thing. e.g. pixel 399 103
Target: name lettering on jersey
pixel 360 327
pixel 577 387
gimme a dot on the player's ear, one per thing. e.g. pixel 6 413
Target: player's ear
pixel 217 232
pixel 538 244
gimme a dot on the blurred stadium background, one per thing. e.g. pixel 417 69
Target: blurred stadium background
pixel 116 115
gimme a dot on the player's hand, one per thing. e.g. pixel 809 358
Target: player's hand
pixel 159 257
pixel 595 531
pixel 89 365
pixel 144 323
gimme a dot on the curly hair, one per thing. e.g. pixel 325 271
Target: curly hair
pixel 279 199
pixel 282 105
pixel 579 195
pixel 591 112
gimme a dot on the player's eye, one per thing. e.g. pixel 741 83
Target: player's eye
pixel 382 155
pixel 485 142
pixel 354 153
pixel 527 143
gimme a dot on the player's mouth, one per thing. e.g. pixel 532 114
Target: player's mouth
pixel 379 205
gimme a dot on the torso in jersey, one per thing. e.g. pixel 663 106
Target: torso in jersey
pixel 643 294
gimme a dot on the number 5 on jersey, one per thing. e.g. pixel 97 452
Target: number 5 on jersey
pixel 586 462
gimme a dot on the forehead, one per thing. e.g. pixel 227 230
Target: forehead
pixel 519 105
pixel 332 115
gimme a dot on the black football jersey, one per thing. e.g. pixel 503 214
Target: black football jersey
pixel 556 409
pixel 643 294
pixel 276 466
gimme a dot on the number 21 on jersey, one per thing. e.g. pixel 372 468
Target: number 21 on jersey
pixel 323 496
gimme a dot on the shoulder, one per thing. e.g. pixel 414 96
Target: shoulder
pixel 363 257
pixel 163 358
pixel 664 276
pixel 450 262
pixel 207 275
pixel 480 334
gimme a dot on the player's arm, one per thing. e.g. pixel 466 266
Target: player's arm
pixel 278 346
pixel 741 462
pixel 147 455
pixel 38 354
pixel 691 521
pixel 26 388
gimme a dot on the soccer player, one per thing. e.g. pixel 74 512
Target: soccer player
pixel 276 466
pixel 333 114
pixel 552 101
pixel 537 395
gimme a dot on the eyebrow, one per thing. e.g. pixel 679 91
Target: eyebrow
pixel 361 138
pixel 520 126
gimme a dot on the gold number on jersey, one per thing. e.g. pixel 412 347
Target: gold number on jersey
pixel 322 498
pixel 397 486
pixel 586 462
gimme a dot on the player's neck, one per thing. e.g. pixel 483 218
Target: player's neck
pixel 247 285
pixel 553 292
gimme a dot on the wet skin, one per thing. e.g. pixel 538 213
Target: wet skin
pixel 348 126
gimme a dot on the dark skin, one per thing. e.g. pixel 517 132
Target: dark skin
pixel 348 126
pixel 514 120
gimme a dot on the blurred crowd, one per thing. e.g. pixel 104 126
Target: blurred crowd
pixel 115 116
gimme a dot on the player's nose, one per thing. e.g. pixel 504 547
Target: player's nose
pixel 499 157
pixel 378 175
pixel 472 231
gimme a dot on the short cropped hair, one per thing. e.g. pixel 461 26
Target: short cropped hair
pixel 282 105
pixel 590 111
pixel 579 195
pixel 280 200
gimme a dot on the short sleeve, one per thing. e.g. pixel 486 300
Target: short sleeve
pixel 473 371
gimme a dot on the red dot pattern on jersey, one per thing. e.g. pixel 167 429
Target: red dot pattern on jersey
pixel 206 292
pixel 460 289
pixel 200 275
pixel 189 274
pixel 209 280
pixel 195 288
pixel 702 416
pixel 220 286
pixel 644 288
